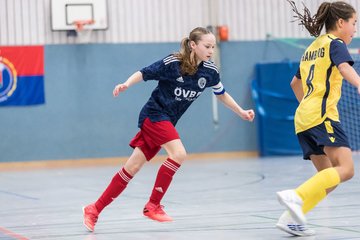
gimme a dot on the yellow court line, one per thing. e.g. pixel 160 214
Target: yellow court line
pixel 112 161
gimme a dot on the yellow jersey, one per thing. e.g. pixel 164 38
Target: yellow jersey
pixel 321 81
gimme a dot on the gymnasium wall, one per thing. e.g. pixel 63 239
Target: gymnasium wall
pixel 81 119
pixel 28 22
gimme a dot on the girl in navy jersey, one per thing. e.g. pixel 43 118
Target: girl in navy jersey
pixel 317 86
pixel 182 77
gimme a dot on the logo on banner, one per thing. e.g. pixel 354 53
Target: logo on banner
pixel 8 79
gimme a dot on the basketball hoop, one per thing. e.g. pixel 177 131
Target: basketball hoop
pixel 83 33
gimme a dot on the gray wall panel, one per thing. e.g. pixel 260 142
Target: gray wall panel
pixel 24 22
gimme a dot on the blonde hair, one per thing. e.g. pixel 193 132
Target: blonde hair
pixel 185 55
pixel 327 14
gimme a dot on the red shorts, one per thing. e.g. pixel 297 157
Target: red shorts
pixel 152 135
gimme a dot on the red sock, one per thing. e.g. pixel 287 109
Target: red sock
pixel 163 180
pixel 116 186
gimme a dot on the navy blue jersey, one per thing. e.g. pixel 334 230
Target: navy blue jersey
pixel 175 92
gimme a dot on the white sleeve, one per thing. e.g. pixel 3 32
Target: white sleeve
pixel 218 89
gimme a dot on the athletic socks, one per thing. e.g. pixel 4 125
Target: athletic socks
pixel 121 179
pixel 163 180
pixel 314 190
pixel 311 203
pixel 116 186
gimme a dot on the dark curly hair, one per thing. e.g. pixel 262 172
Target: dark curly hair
pixel 327 14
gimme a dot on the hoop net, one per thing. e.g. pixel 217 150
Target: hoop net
pixel 349 107
pixel 83 33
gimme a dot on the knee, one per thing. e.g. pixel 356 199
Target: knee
pixel 179 156
pixel 133 168
pixel 347 174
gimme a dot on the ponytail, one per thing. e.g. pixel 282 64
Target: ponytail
pixel 185 55
pixel 327 14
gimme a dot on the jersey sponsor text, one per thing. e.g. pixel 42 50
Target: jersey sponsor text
pixel 312 55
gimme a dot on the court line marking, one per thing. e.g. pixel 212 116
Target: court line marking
pixel 18 195
pixel 12 234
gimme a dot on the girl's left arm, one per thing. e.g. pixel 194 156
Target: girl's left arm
pixel 349 74
pixel 229 102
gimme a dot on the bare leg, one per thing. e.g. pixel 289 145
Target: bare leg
pixel 341 159
pixel 175 150
pixel 135 162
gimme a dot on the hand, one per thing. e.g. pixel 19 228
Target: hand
pixel 248 115
pixel 119 88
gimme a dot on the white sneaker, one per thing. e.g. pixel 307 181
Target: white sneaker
pixel 287 224
pixel 293 203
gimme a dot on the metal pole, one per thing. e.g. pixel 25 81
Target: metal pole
pixel 213 19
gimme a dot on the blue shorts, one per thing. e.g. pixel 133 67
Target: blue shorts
pixel 329 133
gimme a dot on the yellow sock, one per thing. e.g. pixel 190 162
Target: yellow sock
pixel 311 203
pixel 314 190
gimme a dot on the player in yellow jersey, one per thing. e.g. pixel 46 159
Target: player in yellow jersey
pixel 317 86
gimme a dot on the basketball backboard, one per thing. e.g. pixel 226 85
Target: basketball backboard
pixel 65 12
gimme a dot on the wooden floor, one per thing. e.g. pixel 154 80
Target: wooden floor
pixel 209 199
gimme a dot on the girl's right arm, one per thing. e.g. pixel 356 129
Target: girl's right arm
pixel 133 79
pixel 349 74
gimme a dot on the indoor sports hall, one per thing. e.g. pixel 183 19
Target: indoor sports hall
pixel 63 135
